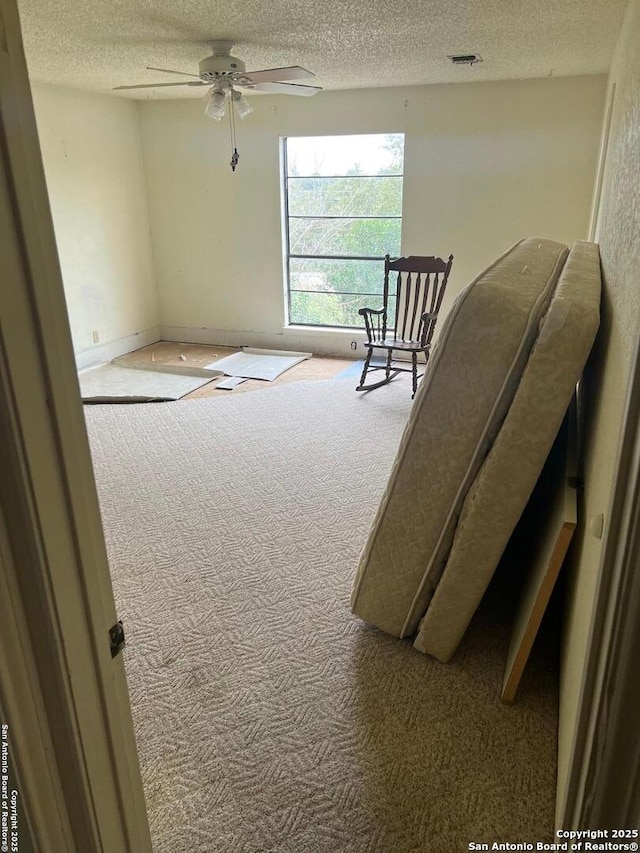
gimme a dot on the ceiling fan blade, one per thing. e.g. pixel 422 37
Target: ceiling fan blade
pixel 291 72
pixel 170 71
pixel 157 85
pixel 285 89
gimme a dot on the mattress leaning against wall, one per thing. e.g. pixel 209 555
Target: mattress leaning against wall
pixel 509 473
pixel 472 380
pixel 472 375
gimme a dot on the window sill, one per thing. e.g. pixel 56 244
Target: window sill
pixel 333 330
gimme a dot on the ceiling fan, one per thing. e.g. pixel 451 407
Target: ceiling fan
pixel 227 75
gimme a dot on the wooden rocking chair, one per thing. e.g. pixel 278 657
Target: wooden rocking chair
pixel 406 325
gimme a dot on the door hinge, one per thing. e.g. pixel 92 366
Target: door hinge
pixel 116 638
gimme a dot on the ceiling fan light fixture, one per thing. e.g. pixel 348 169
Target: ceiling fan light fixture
pixel 215 105
pixel 242 105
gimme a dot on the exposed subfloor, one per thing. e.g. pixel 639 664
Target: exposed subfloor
pixel 199 355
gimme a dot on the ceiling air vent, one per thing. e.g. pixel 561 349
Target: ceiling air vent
pixel 465 58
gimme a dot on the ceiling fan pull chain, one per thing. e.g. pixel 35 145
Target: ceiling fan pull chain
pixel 232 127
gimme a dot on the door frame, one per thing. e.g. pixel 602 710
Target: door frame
pixel 603 787
pixel 64 697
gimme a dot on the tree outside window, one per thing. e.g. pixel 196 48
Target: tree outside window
pixel 343 197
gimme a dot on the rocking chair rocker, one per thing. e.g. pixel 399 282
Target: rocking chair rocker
pixel 406 325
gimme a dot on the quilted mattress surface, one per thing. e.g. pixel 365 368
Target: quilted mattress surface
pixel 509 473
pixel 498 384
pixel 473 373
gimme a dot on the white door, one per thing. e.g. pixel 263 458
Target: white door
pixel 63 697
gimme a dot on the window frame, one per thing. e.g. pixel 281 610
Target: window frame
pixel 286 216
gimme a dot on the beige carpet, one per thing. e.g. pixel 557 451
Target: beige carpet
pixel 268 718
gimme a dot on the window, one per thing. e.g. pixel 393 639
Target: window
pixel 343 214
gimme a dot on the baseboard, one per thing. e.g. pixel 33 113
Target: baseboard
pixel 318 341
pixel 106 352
pixel 331 342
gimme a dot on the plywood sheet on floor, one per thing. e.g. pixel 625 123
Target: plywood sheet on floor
pixel 114 383
pixel 252 364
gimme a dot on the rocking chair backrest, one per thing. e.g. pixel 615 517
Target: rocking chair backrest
pixel 420 283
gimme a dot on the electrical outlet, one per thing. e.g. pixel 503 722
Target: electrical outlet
pixel 96 337
pixel 354 345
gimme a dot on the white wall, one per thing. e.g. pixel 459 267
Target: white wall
pixel 485 164
pixel 607 379
pixel 93 165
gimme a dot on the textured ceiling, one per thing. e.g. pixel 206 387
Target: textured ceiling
pixel 364 43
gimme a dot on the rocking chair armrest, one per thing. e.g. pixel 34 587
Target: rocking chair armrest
pixel 424 318
pixel 375 332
